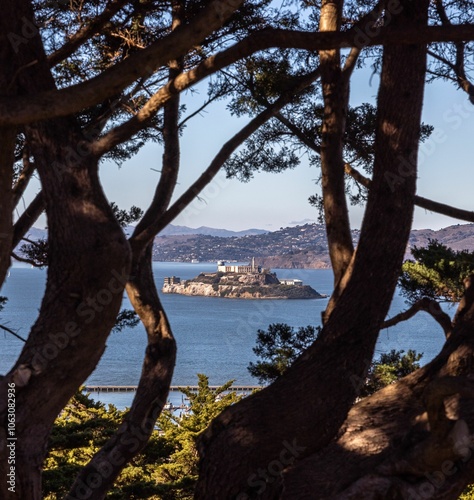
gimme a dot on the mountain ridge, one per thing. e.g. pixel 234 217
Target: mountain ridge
pixel 301 246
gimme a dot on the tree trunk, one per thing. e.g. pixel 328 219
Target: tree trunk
pixel 89 261
pixel 336 97
pixel 246 447
pixel 98 476
pixel 386 448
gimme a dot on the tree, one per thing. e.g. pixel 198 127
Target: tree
pixel 166 468
pixel 86 81
pixel 438 272
pixel 278 348
pixel 389 368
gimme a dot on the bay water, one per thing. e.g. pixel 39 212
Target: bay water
pixel 215 336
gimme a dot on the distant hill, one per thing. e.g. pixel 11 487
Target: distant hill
pixel 302 246
pixel 292 247
pixel 172 230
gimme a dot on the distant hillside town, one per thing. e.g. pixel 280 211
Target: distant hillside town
pixel 291 247
pixel 303 246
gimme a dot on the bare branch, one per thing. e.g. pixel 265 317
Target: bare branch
pixel 427 204
pixel 425 304
pixel 9 330
pixel 63 102
pixel 27 219
pixel 228 148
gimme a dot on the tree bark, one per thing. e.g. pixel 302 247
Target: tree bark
pixel 98 476
pixel 89 261
pixel 245 448
pixel 386 446
pixel 336 98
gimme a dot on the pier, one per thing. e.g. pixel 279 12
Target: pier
pixel 173 388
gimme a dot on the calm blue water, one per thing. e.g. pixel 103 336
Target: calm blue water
pixel 215 336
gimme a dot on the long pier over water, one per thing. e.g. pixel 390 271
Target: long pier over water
pixel 174 388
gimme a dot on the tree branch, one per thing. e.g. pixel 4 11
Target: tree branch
pixel 228 148
pixel 93 27
pixel 427 204
pixel 27 219
pixel 171 153
pixel 63 102
pixel 425 304
pixel 7 147
pixel 9 330
pixel 24 177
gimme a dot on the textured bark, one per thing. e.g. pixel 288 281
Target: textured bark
pixel 160 356
pixel 152 391
pixel 88 268
pixel 7 146
pixel 335 98
pixel 399 442
pixel 306 407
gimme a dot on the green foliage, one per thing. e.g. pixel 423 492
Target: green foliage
pixel 180 472
pixel 36 252
pixel 167 467
pixel 278 347
pixel 281 344
pixel 127 318
pixel 438 272
pixel 389 368
pixel 468 493
pixel 80 430
pixel 125 218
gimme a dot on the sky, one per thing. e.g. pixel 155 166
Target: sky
pixel 271 201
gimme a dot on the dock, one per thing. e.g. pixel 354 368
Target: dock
pixel 173 388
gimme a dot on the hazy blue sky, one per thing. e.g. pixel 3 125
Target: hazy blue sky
pixel 270 201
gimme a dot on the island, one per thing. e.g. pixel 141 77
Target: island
pixel 241 282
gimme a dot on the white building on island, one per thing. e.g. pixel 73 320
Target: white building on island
pixel 293 282
pixel 252 268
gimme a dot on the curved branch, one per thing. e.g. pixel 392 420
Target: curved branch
pixel 171 152
pixel 24 177
pixel 427 204
pixel 425 304
pixel 27 219
pixel 152 390
pixel 64 102
pixel 228 148
pixel 92 28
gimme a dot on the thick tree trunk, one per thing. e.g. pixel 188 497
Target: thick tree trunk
pixel 387 449
pixel 247 446
pixel 100 473
pixel 89 261
pixel 7 145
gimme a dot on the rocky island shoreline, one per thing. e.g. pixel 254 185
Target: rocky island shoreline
pixel 241 282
